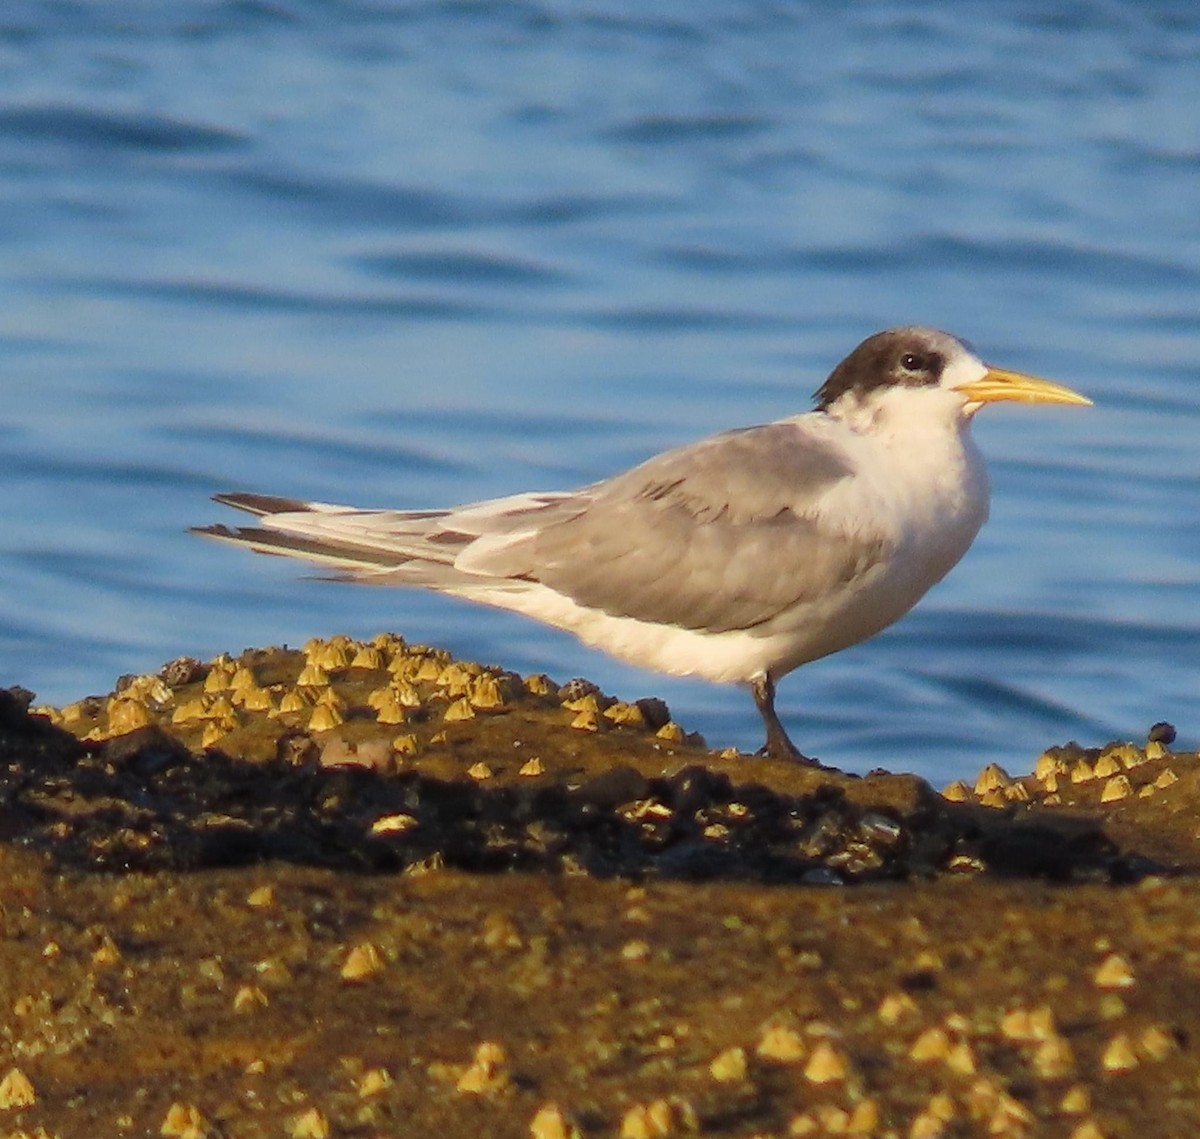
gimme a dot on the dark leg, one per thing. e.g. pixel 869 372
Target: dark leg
pixel 778 746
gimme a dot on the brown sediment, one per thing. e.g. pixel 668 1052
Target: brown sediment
pixel 464 903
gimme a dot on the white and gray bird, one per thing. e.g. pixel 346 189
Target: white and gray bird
pixel 735 558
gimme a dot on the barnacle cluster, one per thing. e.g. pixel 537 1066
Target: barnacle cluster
pixel 659 958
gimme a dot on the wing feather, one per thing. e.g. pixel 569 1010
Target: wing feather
pixel 723 534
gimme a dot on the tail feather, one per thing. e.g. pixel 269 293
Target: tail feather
pixel 262 504
pixel 446 550
pixel 389 547
pixel 341 554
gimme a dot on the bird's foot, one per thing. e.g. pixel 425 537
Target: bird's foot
pixel 778 746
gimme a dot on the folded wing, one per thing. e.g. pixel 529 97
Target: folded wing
pixel 722 534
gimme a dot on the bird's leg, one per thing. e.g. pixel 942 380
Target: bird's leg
pixel 778 746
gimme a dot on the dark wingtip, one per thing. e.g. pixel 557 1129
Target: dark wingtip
pixel 213 531
pixel 260 504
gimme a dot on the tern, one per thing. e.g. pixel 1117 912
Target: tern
pixel 735 558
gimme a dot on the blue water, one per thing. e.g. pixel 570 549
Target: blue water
pixel 422 253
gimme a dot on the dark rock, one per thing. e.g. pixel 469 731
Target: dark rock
pixel 612 788
pixel 146 750
pixel 183 670
pixel 1162 733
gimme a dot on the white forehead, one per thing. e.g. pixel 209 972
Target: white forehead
pixel 963 365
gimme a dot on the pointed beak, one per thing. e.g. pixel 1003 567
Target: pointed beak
pixel 997 384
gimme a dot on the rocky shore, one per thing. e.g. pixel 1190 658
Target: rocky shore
pixel 368 890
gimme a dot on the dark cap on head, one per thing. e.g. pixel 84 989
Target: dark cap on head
pixel 907 357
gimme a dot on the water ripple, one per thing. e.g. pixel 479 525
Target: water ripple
pixel 461 266
pixel 283 442
pixel 1046 257
pixel 263 298
pixel 348 199
pixel 666 130
pixel 112 130
pixel 414 253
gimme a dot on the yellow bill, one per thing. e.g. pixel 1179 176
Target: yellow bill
pixel 997 384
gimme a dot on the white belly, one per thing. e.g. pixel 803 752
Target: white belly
pixel 934 511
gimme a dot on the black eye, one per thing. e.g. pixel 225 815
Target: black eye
pixel 911 362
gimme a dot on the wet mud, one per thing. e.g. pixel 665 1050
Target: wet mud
pixel 368 890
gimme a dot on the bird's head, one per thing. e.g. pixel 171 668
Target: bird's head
pixel 924 359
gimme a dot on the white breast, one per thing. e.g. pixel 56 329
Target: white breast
pixel 918 480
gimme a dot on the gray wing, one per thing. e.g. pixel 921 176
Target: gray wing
pixel 718 535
